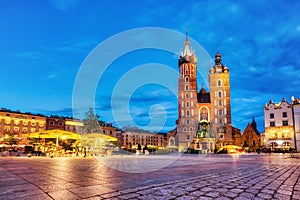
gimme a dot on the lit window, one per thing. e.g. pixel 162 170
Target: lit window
pixel 285 123
pixel 284 114
pixel 188 137
pixel 220 112
pixel 220 94
pixel 220 102
pixel 187 104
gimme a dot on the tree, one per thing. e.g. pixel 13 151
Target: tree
pixel 91 122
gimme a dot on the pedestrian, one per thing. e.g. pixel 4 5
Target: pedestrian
pixel 139 149
pixel 145 150
pixel 291 152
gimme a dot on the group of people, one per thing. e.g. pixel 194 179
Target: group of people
pixel 140 151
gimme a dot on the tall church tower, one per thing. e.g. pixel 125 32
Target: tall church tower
pixel 187 96
pixel 220 102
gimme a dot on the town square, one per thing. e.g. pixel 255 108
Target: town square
pixel 248 176
pixel 150 100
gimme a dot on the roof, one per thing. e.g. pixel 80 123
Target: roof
pixel 203 96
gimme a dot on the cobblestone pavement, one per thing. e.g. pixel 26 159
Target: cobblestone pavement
pixel 249 176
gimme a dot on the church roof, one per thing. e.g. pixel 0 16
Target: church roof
pixel 203 96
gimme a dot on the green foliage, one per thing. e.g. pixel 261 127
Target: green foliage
pixel 91 122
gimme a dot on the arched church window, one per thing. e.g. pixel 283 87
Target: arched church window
pixel 191 129
pixel 203 113
pixel 220 102
pixel 187 113
pixel 188 137
pixel 186 70
pixel 220 93
pixel 186 79
pixel 219 83
pixel 186 87
pixel 187 104
pixel 187 95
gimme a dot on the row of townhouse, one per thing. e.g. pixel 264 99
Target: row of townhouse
pixel 282 125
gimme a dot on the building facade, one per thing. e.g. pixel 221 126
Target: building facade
pixel 64 123
pixel 296 115
pixel 250 139
pixel 135 138
pixel 279 126
pixel 194 106
pixel 15 125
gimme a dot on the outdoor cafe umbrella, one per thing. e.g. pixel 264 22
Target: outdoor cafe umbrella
pixel 56 133
pixel 99 136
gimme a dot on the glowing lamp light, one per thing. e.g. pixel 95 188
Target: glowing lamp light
pixel 63 137
pixel 279 142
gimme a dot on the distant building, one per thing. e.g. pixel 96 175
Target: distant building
pixel 251 137
pixel 279 126
pixel 108 129
pixel 296 114
pixel 64 123
pixel 237 136
pixel 16 125
pixel 55 122
pixel 194 106
pixel 74 125
pixel 135 138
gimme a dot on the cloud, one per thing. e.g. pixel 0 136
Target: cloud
pixel 64 4
pixel 79 45
pixel 35 56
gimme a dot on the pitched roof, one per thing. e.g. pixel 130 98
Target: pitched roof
pixel 203 96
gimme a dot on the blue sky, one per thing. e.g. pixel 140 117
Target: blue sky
pixel 43 44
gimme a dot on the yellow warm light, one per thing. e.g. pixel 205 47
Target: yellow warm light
pixel 63 137
pixel 74 123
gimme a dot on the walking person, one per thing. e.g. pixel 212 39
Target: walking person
pixel 291 152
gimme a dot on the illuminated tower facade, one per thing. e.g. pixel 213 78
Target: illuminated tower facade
pixel 187 96
pixel 219 84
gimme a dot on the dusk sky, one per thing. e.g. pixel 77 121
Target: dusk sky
pixel 44 43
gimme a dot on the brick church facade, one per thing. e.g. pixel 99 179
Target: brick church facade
pixel 194 105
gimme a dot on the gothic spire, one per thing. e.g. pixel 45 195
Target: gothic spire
pixel 187 49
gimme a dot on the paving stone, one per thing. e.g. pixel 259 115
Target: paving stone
pixel 212 194
pixel 282 197
pixel 129 196
pixel 268 191
pixel 197 193
pixel 246 195
pixel 230 194
pixel 186 198
pixel 222 198
pixel 206 189
pixel 264 196
pixel 236 190
pixel 286 192
pixel 253 191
